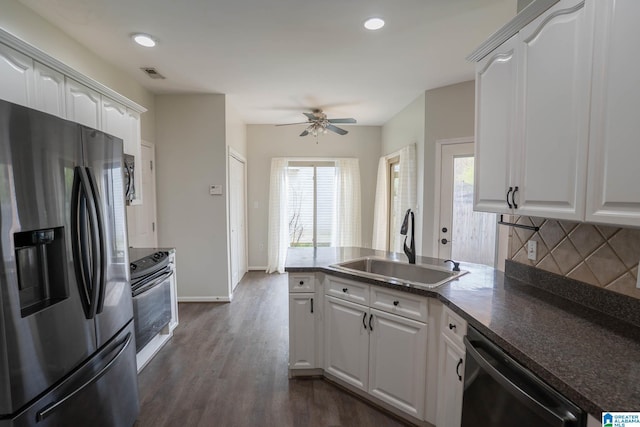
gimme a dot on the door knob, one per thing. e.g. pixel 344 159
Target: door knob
pixel 444 241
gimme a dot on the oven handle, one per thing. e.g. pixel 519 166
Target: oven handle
pixel 149 286
pixel 554 419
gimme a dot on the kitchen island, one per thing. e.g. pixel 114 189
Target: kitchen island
pixel 589 356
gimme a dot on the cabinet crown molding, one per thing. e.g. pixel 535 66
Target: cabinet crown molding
pixel 528 14
pixel 40 56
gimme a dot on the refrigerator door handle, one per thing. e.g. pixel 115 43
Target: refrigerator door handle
pixel 98 234
pixel 90 208
pixel 79 239
pixel 51 408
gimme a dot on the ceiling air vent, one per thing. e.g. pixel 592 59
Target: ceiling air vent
pixel 152 73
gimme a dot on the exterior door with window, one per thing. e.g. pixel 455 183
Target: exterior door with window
pixel 464 235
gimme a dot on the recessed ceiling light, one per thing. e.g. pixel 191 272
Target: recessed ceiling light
pixel 373 24
pixel 144 40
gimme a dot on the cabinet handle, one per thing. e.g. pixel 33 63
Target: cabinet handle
pixel 457 368
pixel 508 193
pixel 312 305
pixel 370 325
pixel 345 290
pixel 363 320
pixel 396 302
pixel 301 282
pixel 513 197
pixel 452 326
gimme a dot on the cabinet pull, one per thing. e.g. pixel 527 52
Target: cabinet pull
pixel 370 325
pixel 508 193
pixel 345 290
pixel 396 302
pixel 452 326
pixel 457 368
pixel 363 320
pixel 301 282
pixel 513 197
pixel 311 305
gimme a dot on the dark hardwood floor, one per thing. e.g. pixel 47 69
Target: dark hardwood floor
pixel 226 365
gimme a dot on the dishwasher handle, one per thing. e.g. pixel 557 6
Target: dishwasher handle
pixel 555 417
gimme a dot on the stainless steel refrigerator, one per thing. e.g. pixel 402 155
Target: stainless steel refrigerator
pixel 67 347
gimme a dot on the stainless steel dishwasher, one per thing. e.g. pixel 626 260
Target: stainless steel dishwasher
pixel 499 392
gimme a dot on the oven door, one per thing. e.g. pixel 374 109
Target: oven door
pixel 499 392
pixel 152 308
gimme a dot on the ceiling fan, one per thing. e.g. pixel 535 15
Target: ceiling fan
pixel 319 123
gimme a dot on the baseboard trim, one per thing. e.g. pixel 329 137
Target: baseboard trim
pixel 258 268
pixel 204 299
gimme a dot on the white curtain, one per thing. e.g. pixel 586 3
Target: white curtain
pixel 407 189
pixel 346 230
pixel 381 208
pixel 278 238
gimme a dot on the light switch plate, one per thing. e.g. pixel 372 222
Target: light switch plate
pixel 532 250
pixel 215 189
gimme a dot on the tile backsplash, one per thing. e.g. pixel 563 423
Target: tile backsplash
pixel 600 255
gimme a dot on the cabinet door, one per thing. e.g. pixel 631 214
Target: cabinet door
pixel 398 361
pixel 347 341
pixel 302 331
pixel 554 78
pixel 496 82
pixel 115 120
pixel 450 383
pixel 49 90
pixel 83 104
pixel 16 84
pixel 613 192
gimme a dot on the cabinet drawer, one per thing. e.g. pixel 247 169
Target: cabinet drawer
pixel 453 326
pixel 348 290
pixel 302 282
pixel 400 303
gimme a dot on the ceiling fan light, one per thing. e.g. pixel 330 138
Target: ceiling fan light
pixel 144 40
pixel 374 24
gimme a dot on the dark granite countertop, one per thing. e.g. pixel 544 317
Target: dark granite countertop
pixel 589 356
pixel 138 253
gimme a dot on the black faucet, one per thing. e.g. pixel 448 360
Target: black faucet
pixel 409 251
pixel 456 265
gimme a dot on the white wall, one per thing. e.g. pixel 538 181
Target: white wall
pixel 449 113
pixel 23 23
pixel 267 141
pixel 407 127
pixel 236 129
pixel 191 155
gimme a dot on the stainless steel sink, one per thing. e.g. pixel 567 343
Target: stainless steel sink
pixel 422 275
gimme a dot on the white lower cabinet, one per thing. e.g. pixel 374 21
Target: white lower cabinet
pixel 450 369
pixel 398 361
pixel 380 353
pixel 302 331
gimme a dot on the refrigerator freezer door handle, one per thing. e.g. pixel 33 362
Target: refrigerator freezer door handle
pixel 99 235
pixel 51 408
pixel 96 263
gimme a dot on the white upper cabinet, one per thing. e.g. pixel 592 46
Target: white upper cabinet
pixel 532 117
pixel 83 104
pixel 613 194
pixel 553 99
pixel 16 70
pixel 496 151
pixel 115 120
pixel 49 91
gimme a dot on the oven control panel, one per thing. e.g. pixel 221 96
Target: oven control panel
pixel 150 263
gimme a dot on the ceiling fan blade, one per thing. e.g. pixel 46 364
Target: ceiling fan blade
pixel 310 116
pixel 289 124
pixel 349 120
pixel 304 133
pixel 337 130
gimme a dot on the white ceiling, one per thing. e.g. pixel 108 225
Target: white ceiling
pixel 277 58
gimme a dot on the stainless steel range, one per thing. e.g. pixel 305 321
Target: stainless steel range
pixel 151 291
